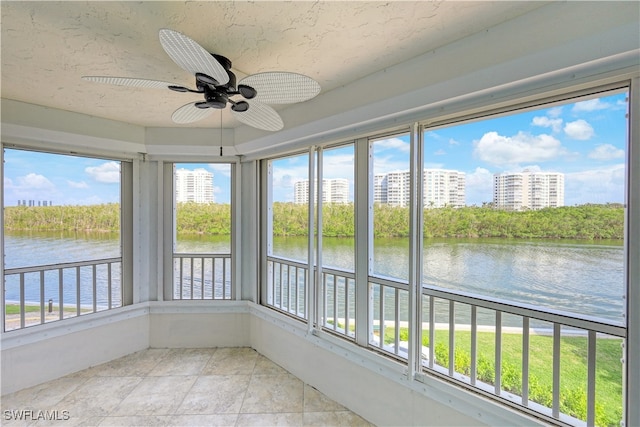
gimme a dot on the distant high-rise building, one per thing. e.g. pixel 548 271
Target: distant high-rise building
pixel 380 188
pixel 441 188
pixel 444 188
pixel 528 190
pixel 194 186
pixel 334 190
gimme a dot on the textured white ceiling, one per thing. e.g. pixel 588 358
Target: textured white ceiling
pixel 48 46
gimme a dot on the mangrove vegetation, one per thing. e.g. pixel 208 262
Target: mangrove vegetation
pixel 590 222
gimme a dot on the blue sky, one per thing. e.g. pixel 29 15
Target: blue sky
pixel 63 180
pixel 585 140
pixel 71 180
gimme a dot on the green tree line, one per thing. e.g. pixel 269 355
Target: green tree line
pixel 569 222
pixel 590 221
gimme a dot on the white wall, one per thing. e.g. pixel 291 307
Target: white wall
pixel 193 324
pixel 370 385
pixel 34 355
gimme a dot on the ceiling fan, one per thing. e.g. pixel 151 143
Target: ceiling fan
pixel 216 81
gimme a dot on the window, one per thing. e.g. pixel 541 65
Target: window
pixel 336 246
pixel 389 266
pixel 202 231
pixel 287 276
pixel 495 252
pixel 63 218
pixel 524 215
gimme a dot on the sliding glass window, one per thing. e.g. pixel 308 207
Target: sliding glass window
pixel 389 260
pixel 62 236
pixel 287 262
pixel 202 266
pixel 336 246
pixel 524 255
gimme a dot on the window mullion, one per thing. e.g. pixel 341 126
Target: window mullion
pixel 319 282
pixel 363 200
pixel 311 289
pixel 631 373
pixel 415 250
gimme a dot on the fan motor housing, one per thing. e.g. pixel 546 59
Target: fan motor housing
pixel 216 99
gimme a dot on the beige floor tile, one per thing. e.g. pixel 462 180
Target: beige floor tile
pixel 315 401
pixel 182 387
pixel 183 362
pixel 98 396
pixel 136 364
pixel 43 396
pixel 268 420
pixel 273 393
pixel 231 361
pixel 135 420
pixel 71 422
pixel 215 394
pixel 334 419
pixel 265 366
pixel 211 420
pixel 155 396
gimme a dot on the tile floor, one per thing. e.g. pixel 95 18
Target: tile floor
pixel 179 387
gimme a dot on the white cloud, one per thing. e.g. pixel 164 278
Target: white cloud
pixel 580 130
pixel 338 166
pixel 434 135
pixel 428 165
pixel 530 168
pixel 107 172
pixel 440 152
pixel 606 152
pixel 391 143
pixel 622 103
pixel 29 187
pixel 590 105
pixel 80 184
pixel 386 164
pixel 479 186
pixel 544 121
pixel 505 151
pixel 453 142
pixel 554 112
pixel 34 181
pixel 604 185
pixel 223 169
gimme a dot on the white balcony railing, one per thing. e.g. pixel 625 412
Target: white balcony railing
pixel 444 315
pixel 287 281
pixel 202 276
pixel 47 293
pixel 339 301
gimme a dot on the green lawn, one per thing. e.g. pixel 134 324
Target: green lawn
pixel 15 308
pixel 573 366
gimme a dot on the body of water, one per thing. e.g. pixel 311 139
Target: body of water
pixel 574 276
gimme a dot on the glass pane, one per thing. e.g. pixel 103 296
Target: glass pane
pixel 338 220
pixel 391 207
pixel 290 210
pixel 529 207
pixel 203 207
pixel 59 209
